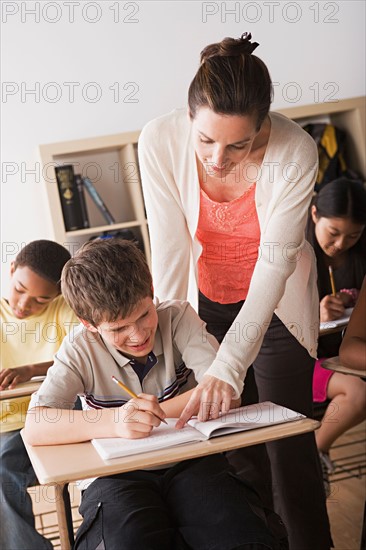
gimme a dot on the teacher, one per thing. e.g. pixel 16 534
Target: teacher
pixel 227 188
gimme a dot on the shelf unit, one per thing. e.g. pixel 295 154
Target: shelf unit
pixel 112 165
pixel 348 115
pixel 111 162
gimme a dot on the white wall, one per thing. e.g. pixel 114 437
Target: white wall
pixel 314 50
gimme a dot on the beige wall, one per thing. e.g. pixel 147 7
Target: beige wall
pixel 109 67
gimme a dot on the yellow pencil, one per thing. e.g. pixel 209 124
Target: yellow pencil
pixel 332 283
pixel 130 392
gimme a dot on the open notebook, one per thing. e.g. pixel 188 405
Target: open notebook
pixel 338 322
pixel 237 420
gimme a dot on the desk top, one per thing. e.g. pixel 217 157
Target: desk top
pixel 334 364
pixel 27 388
pixel 64 463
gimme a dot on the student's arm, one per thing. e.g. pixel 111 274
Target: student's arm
pixel 136 419
pixel 9 378
pixel 352 352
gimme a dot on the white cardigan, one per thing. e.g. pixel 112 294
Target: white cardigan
pixel 284 278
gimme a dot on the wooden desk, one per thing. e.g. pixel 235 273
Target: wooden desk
pixel 331 329
pixel 60 464
pixel 27 388
pixel 334 364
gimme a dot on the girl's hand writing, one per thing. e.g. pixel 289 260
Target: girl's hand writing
pixel 331 308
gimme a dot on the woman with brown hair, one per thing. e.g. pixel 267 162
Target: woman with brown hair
pixel 227 189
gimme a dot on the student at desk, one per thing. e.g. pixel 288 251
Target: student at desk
pixel 34 321
pixel 336 229
pixel 158 351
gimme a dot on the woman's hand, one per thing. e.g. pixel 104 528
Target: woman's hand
pixel 331 308
pixel 209 398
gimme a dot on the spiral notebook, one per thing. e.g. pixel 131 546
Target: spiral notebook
pixel 250 417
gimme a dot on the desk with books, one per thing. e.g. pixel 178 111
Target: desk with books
pixel 60 464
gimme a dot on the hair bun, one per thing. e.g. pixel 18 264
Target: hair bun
pixel 230 47
pixel 245 42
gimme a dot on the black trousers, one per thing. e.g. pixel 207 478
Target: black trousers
pixel 286 472
pixel 199 504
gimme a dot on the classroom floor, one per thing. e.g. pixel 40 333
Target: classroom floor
pixel 345 504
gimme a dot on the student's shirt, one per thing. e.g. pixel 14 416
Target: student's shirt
pixel 84 366
pixel 30 341
pixel 182 352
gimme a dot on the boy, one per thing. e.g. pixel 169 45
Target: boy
pixel 34 321
pixel 160 350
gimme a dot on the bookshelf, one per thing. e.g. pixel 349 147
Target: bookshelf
pixel 112 165
pixel 111 162
pixel 348 115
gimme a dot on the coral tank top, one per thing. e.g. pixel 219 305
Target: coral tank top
pixel 229 233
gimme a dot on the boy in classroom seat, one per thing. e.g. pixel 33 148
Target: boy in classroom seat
pixel 34 321
pixel 158 350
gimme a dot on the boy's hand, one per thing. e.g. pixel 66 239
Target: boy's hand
pixel 138 417
pixel 331 308
pixel 9 378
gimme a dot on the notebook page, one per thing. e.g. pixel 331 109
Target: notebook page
pixel 337 322
pixel 161 437
pixel 246 418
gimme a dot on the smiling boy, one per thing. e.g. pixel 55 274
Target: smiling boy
pixel 158 350
pixel 34 321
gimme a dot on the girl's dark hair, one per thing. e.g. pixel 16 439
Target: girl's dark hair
pixel 232 81
pixel 341 198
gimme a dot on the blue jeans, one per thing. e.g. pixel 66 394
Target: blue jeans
pixel 17 527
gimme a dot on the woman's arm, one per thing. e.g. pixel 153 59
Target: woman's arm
pixel 281 247
pixel 169 235
pixel 352 352
pixel 291 185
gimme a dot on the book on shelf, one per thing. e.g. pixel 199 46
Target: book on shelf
pixel 69 197
pixel 84 211
pixel 241 419
pixel 97 199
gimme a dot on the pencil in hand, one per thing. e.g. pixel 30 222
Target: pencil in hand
pixel 332 283
pixel 130 392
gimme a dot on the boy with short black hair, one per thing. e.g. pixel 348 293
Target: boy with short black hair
pixel 158 351
pixel 34 321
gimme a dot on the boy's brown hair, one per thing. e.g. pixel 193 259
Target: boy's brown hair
pixel 105 280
